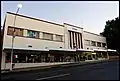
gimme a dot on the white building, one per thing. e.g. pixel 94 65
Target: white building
pixel 36 39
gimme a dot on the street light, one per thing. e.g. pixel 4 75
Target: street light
pixel 13 35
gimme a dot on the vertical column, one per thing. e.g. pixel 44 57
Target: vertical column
pixel 78 40
pixel 25 33
pixel 40 35
pixel 75 38
pixel 101 55
pixel 70 39
pixel 26 58
pixel 54 37
pixel 3 60
pixel 92 56
pixel 107 55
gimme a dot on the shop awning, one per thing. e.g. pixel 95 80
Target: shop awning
pixel 61 49
pixel 111 50
pixel 100 50
pixel 84 50
pixel 26 49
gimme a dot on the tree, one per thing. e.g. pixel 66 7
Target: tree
pixel 112 34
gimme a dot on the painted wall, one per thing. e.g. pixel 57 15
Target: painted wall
pixel 93 37
pixel 22 42
pixel 71 28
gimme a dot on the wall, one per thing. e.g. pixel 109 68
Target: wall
pixel 71 28
pixel 93 37
pixel 3 60
pixel 27 23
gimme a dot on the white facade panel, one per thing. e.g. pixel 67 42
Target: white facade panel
pixel 26 23
pixel 93 37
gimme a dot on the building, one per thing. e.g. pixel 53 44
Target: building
pixel 39 41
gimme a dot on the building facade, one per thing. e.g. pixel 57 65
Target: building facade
pixel 36 40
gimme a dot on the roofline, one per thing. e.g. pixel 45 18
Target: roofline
pixel 35 18
pixel 93 33
pixel 73 25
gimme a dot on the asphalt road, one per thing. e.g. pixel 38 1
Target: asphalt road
pixel 100 71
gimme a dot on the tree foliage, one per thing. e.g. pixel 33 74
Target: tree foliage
pixel 112 34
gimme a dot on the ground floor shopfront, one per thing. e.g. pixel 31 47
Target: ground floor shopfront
pixel 51 56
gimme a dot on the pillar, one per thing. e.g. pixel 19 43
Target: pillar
pixel 41 35
pixel 102 55
pixel 26 58
pixel 3 60
pixel 92 56
pixel 107 55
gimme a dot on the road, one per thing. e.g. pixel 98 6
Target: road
pixel 100 71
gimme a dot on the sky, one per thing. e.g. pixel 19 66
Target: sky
pixel 90 15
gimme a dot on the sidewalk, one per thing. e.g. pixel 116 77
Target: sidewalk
pixel 53 66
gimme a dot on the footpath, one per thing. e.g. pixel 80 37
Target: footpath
pixel 41 68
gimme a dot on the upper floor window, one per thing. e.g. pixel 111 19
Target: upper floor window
pixel 93 43
pixel 17 31
pixel 98 44
pixel 48 36
pixel 32 34
pixel 87 42
pixel 103 44
pixel 59 37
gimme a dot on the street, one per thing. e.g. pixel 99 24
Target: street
pixel 108 70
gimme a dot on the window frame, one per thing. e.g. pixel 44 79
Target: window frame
pixel 15 29
pixel 103 45
pixel 37 37
pixel 94 42
pixel 87 41
pixel 48 34
pixel 98 44
pixel 61 37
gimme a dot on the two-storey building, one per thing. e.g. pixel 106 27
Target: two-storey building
pixel 39 41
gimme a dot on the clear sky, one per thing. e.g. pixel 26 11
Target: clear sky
pixel 91 15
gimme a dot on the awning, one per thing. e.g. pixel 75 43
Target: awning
pixel 84 50
pixel 26 49
pixel 61 49
pixel 111 50
pixel 100 50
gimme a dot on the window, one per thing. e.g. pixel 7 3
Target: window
pixel 59 37
pixel 103 44
pixel 18 31
pixel 10 30
pixel 33 34
pixel 98 44
pixel 93 43
pixel 87 42
pixel 47 36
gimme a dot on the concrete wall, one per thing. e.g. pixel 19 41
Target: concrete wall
pixel 27 23
pixel 71 28
pixel 93 37
pixel 3 60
